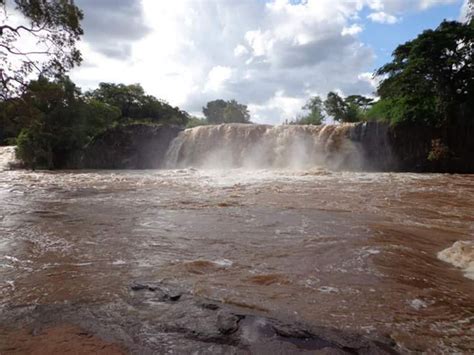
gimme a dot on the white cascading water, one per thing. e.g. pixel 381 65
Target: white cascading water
pixel 256 146
pixel 7 157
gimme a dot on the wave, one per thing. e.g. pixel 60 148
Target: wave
pixel 461 255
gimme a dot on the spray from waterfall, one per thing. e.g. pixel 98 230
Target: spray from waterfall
pixel 7 157
pixel 255 146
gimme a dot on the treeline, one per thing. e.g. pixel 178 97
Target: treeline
pixel 52 120
pixel 221 111
pixel 353 108
pixel 430 81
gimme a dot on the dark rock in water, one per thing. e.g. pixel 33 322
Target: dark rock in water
pixel 211 306
pixel 134 146
pixel 147 323
pixel 136 286
pixel 228 323
pixel 163 293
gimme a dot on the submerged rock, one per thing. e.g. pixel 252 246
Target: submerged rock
pixel 147 323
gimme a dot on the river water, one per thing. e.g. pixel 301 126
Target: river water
pixel 354 251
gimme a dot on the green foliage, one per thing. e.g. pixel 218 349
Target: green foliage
pixel 10 127
pixel 195 121
pixel 34 147
pixel 53 120
pixel 56 122
pixel 353 108
pixel 99 116
pixel 314 116
pixel 135 105
pixel 54 27
pixel 431 78
pixel 220 111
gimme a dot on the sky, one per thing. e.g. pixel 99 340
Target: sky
pixel 270 55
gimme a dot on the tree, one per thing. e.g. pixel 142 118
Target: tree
pixel 220 111
pixel 315 115
pixel 335 106
pixel 134 104
pixel 57 121
pixel 431 78
pixel 353 108
pixel 196 121
pixel 214 111
pixel 54 28
pixel 128 98
pixel 10 126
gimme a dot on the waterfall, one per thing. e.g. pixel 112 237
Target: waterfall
pixel 7 157
pixel 262 146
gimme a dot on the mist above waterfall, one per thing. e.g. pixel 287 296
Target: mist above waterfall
pixel 255 146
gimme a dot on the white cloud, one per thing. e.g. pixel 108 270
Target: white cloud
pixel 383 17
pixel 216 78
pixel 352 30
pixel 276 107
pixel 240 50
pixel 372 80
pixel 261 43
pixel 464 11
pixel 269 56
pixel 403 6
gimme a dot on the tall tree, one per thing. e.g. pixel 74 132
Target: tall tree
pixel 315 115
pixel 135 104
pixel 220 111
pixel 53 122
pixel 335 106
pixel 43 42
pixel 353 108
pixel 431 78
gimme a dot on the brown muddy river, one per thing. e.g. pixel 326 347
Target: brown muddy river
pixel 355 251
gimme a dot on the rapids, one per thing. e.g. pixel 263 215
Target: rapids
pixel 355 251
pixel 351 250
pixel 7 157
pixel 461 255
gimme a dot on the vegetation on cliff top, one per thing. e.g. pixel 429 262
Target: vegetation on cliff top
pixel 431 78
pixel 54 119
pixel 430 81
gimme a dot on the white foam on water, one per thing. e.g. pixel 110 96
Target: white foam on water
pixel 223 263
pixel 119 262
pixel 418 304
pixel 81 264
pixel 461 255
pixel 7 156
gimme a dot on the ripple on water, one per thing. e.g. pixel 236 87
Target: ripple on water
pixel 339 248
